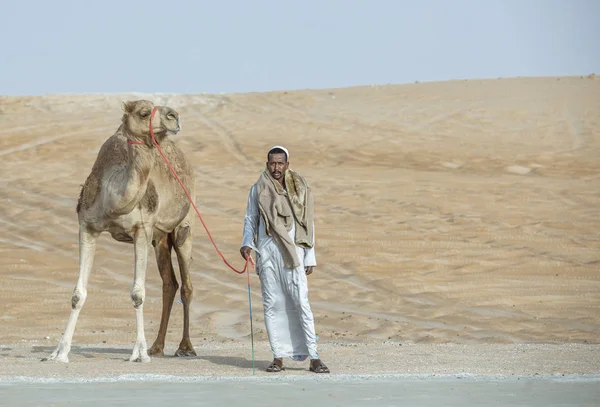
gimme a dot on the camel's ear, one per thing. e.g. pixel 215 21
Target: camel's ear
pixel 127 107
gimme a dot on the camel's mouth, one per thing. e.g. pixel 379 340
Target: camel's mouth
pixel 173 131
pixel 166 130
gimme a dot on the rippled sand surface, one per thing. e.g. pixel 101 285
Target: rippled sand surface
pixel 463 212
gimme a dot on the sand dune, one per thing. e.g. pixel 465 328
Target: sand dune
pixel 458 212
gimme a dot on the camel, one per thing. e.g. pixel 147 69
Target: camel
pixel 131 193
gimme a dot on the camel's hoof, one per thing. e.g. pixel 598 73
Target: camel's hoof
pixel 181 353
pixel 156 351
pixel 56 358
pixel 139 356
pixel 143 359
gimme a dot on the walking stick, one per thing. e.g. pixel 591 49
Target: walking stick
pixel 251 329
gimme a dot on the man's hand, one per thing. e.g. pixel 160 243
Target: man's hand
pixel 245 252
pixel 309 270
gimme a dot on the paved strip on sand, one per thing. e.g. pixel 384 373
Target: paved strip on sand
pixel 336 390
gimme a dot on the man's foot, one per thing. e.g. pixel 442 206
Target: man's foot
pixel 317 366
pixel 276 365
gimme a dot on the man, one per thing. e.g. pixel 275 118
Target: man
pixel 279 227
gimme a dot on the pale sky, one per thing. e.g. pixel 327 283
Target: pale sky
pixel 195 46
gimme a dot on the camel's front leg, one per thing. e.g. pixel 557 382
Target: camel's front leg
pixel 138 293
pixel 87 250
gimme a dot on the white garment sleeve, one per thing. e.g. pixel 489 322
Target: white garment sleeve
pixel 310 258
pixel 251 220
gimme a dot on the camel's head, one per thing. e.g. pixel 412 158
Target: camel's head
pixel 136 119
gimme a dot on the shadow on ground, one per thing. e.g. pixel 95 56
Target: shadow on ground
pixel 85 351
pixel 235 361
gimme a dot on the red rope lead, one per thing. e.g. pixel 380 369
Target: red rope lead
pixel 248 259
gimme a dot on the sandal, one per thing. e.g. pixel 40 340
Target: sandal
pixel 317 366
pixel 276 366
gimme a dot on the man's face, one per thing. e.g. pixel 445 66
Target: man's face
pixel 277 166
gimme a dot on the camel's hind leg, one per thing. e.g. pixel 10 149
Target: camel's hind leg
pixel 183 249
pixel 87 250
pixel 162 249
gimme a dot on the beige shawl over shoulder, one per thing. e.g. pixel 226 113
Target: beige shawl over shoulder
pixel 280 209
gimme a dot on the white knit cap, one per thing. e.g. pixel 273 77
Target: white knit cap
pixel 287 154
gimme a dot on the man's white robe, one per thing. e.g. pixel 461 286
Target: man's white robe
pixel 288 317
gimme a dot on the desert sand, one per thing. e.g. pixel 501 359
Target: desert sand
pixel 458 228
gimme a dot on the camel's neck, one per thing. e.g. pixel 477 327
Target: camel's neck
pixel 140 162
